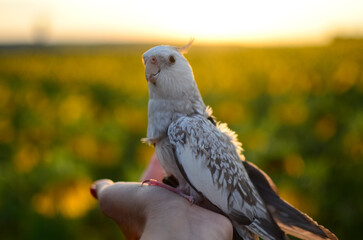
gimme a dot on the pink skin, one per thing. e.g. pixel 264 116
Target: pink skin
pixel 153 170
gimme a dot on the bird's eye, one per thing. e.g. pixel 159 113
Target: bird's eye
pixel 172 59
pixel 153 60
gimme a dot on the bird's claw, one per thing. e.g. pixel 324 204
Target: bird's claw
pixel 150 182
pixel 153 182
pixel 189 198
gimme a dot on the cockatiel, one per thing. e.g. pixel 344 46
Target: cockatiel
pixel 205 157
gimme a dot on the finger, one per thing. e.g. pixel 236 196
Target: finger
pixel 121 201
pixel 130 204
pixel 98 186
pixel 118 198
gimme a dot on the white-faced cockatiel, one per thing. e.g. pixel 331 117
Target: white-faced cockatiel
pixel 204 160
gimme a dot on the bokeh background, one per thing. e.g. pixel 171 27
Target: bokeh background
pixel 287 77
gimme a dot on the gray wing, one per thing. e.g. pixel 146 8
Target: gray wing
pixel 209 157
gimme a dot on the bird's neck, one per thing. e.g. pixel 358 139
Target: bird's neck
pixel 162 111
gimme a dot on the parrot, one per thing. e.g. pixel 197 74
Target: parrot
pixel 202 159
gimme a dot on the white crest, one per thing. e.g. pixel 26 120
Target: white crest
pixel 185 49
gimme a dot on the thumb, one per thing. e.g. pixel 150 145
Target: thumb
pixel 121 202
pixel 98 186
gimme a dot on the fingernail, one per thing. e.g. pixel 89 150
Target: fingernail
pixel 93 191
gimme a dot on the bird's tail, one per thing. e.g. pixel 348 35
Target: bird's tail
pixel 288 218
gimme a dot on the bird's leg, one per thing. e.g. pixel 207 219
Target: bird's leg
pixel 153 182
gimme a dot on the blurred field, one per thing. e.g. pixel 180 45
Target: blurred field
pixel 71 115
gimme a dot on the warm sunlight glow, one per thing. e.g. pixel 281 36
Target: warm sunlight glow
pixel 160 20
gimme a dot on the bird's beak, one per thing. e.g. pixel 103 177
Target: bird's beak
pixel 152 71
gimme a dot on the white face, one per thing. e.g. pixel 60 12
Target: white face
pixel 168 73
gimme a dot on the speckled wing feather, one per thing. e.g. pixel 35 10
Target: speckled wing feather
pixel 210 157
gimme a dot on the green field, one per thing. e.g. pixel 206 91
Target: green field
pixel 72 114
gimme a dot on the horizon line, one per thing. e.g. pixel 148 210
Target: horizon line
pixel 267 43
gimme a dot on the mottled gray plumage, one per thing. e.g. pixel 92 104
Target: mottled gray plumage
pixel 217 173
pixel 203 156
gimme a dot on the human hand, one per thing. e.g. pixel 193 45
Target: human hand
pixel 151 212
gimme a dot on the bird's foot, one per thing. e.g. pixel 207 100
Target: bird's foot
pixel 151 141
pixel 153 182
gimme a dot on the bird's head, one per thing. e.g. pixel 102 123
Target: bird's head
pixel 168 73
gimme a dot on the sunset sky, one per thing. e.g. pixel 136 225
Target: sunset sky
pixel 157 21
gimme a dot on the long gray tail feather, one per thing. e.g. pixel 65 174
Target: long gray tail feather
pixel 289 219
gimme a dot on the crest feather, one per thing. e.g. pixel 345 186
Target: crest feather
pixel 185 49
